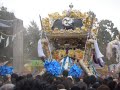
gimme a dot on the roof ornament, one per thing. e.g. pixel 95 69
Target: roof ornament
pixel 69 11
pixel 71 6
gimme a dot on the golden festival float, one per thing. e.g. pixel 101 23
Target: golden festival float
pixel 73 34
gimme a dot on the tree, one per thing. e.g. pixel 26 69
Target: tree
pixel 6 15
pixel 106 33
pixel 31 37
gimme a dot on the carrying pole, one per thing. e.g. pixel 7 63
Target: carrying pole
pixel 42 28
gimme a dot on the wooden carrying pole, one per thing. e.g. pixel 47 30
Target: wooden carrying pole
pixel 50 57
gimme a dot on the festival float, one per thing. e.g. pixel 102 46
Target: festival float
pixel 70 39
pixel 114 44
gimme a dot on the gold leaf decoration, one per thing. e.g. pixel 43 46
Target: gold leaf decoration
pixel 76 14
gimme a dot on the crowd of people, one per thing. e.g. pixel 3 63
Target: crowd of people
pixel 49 82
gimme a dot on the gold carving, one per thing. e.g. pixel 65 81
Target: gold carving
pixel 59 54
pixel 73 14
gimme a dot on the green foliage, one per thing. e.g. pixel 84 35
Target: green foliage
pixel 106 33
pixel 6 15
pixel 37 63
pixel 31 37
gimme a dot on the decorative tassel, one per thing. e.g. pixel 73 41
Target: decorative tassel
pixel 101 62
pixel 98 55
pixel 97 50
pixel 95 59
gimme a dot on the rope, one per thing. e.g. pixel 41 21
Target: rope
pixel 48 47
pixel 10 35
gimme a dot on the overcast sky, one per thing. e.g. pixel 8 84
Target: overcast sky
pixel 29 10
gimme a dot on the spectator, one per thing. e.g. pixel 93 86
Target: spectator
pixel 103 87
pixel 14 78
pixel 82 85
pixel 29 76
pixel 65 73
pixel 7 87
pixel 1 81
pixel 91 89
pixel 112 85
pixel 60 86
pixel 96 85
pixel 117 86
pixel 75 88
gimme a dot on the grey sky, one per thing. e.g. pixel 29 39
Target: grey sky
pixel 29 10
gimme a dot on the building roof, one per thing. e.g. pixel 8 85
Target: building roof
pixel 6 24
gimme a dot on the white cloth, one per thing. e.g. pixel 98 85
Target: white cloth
pixel 98 53
pixel 7 42
pixel 1 38
pixel 40 49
